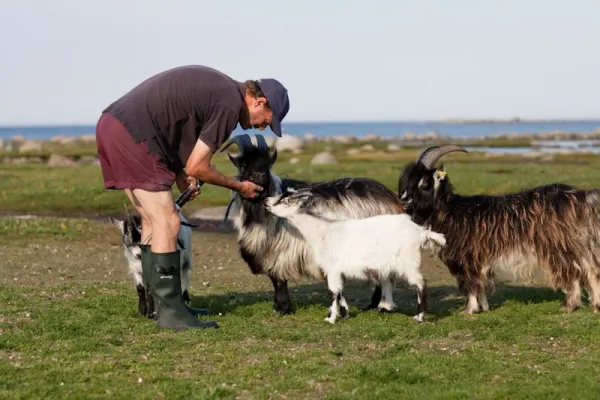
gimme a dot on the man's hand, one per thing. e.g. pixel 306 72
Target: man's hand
pixel 184 181
pixel 249 189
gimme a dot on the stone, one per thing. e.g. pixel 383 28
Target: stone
pixel 57 160
pixel 289 143
pixel 323 158
pixel 31 146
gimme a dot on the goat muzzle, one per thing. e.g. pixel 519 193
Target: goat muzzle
pixel 432 154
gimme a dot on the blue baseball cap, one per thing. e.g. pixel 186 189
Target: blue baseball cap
pixel 278 100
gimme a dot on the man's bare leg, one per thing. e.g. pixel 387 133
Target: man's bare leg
pixel 146 223
pixel 159 211
pixel 164 268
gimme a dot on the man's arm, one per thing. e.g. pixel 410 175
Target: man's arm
pixel 198 166
pixel 219 121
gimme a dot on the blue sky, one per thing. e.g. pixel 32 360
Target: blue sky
pixel 64 60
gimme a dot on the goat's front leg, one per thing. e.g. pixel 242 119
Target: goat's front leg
pixel 470 287
pixel 573 296
pixel 282 304
pixel 185 294
pixel 471 304
pixel 375 298
pixel 335 286
pixel 344 309
pixel 482 299
pixel 142 305
pixel 150 304
pixel 386 304
pixel 422 301
pixel 185 279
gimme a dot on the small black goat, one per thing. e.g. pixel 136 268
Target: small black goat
pixel 553 227
pixel 269 244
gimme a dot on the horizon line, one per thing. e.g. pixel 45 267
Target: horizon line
pixel 449 120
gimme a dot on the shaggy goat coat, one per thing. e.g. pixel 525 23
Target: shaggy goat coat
pixel 269 244
pixel 552 228
pixel 383 248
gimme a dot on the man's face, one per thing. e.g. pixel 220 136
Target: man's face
pixel 258 115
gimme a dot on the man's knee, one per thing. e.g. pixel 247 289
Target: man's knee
pixel 168 222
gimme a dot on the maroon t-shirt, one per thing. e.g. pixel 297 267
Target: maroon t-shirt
pixel 175 108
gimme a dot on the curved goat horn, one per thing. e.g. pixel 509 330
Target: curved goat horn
pixel 433 153
pixel 424 152
pixel 262 143
pixel 243 142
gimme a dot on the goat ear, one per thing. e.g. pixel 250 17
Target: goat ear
pixel 440 173
pixel 118 223
pixel 305 195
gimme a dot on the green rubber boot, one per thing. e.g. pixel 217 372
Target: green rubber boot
pixel 146 267
pixel 165 284
pixel 146 271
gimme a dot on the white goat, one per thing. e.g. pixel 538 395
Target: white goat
pixel 383 248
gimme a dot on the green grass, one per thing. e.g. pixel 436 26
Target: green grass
pixel 83 340
pixel 75 340
pixel 85 343
pixel 31 188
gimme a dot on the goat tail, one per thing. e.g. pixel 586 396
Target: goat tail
pixel 433 241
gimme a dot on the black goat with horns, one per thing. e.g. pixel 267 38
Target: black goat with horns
pixel 552 228
pixel 271 246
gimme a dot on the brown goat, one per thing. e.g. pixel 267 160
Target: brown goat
pixel 553 228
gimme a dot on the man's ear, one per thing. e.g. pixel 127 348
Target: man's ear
pixel 261 101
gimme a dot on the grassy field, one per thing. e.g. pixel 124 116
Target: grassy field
pixel 79 191
pixel 68 327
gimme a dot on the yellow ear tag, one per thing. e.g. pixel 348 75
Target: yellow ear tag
pixel 441 174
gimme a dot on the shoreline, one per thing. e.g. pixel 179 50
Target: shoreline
pixel 64 150
pixel 371 136
pixel 449 129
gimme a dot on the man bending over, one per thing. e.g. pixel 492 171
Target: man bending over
pixel 165 131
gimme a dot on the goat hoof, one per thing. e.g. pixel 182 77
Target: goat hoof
pixel 569 308
pixel 330 320
pixel 418 318
pixel 382 310
pixel 282 309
